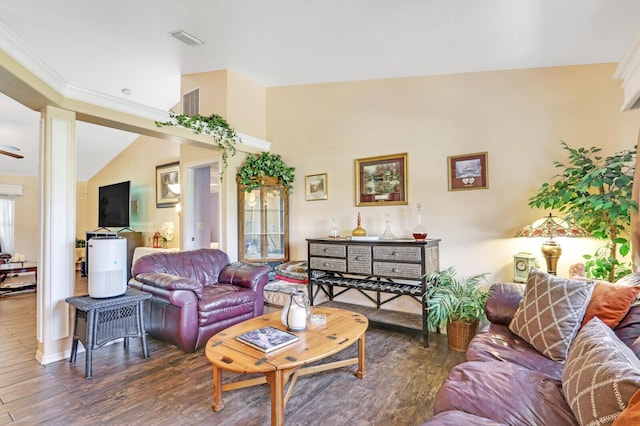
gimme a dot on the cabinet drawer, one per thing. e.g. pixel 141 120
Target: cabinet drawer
pixel 401 270
pixel 359 259
pixel 333 250
pixel 399 253
pixel 327 264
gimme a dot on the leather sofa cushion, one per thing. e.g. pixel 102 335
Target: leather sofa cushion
pixel 242 274
pixel 628 329
pixel 502 302
pixel 223 301
pixel 500 344
pixel 202 265
pixel 170 282
pixel 505 393
pixel 221 296
pixel 460 418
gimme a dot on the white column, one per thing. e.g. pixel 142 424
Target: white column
pixel 56 268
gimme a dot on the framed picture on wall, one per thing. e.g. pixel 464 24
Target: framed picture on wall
pixel 381 180
pixel 316 187
pixel 468 171
pixel 168 185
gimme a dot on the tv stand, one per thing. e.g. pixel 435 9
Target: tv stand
pixel 134 239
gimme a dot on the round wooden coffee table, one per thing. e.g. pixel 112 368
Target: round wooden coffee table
pixel 284 366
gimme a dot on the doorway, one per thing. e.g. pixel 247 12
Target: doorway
pixel 201 209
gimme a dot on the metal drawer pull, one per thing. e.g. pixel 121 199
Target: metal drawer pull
pixel 325 250
pixel 395 253
pixel 395 270
pixel 358 257
pixel 325 264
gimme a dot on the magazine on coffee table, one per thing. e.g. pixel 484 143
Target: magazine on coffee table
pixel 267 339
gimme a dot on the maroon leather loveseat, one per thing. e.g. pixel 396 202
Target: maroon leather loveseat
pixel 505 381
pixel 196 294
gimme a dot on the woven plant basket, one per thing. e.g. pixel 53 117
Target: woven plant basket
pixel 460 333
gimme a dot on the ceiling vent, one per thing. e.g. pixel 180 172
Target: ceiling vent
pixel 187 38
pixel 191 103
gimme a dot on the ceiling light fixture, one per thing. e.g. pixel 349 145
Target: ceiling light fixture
pixel 126 91
pixel 187 38
pixel 10 150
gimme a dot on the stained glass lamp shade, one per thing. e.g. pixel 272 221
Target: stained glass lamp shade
pixel 551 227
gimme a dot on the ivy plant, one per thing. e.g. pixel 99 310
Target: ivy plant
pixel 252 173
pixel 596 193
pixel 213 125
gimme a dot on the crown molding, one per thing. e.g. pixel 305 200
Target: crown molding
pixel 629 71
pixel 254 142
pixel 15 48
pixel 111 102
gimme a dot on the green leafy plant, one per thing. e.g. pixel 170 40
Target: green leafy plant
pixel 450 298
pixel 214 125
pixel 80 243
pixel 596 193
pixel 252 173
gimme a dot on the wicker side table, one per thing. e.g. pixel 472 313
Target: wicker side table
pixel 99 321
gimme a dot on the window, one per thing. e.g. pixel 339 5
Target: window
pixel 7 216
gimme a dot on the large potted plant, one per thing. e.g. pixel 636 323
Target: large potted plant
pixel 596 193
pixel 458 302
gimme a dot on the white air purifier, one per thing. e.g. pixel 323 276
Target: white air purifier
pixel 107 266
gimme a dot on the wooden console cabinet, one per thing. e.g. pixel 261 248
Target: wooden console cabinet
pixel 393 268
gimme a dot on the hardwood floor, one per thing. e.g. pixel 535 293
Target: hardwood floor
pixel 176 388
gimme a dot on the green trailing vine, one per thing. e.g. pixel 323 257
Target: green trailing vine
pixel 252 173
pixel 214 125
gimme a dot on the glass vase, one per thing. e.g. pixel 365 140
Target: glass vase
pixel 419 232
pixel 296 311
pixel 334 232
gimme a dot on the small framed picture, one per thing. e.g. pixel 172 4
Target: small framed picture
pixel 381 180
pixel 317 187
pixel 167 185
pixel 468 171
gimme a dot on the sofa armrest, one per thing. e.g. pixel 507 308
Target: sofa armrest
pixel 170 282
pixel 245 275
pixel 503 301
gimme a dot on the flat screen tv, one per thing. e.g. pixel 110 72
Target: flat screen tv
pixel 114 204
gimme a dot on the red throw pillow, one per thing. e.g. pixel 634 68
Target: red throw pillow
pixel 631 414
pixel 610 302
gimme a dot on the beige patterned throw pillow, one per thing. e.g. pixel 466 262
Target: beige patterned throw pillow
pixel 600 376
pixel 550 313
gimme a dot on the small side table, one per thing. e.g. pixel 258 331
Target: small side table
pixel 99 321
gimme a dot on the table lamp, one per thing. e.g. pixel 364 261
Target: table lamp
pixel 550 227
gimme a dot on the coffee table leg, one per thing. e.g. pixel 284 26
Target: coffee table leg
pixel 362 368
pixel 218 403
pixel 276 382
